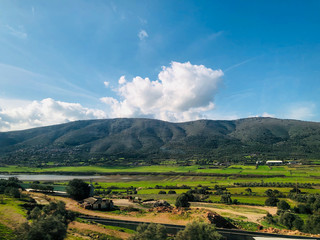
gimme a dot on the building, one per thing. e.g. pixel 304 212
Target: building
pixel 96 203
pixel 274 162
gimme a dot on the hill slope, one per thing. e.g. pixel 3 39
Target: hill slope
pixel 105 141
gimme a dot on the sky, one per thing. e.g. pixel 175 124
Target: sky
pixel 173 60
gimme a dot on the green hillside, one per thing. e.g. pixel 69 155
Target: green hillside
pixel 121 141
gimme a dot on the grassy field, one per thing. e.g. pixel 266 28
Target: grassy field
pixel 6 233
pixel 289 171
pixel 146 184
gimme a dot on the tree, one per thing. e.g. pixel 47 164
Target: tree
pixel 271 201
pixel 47 224
pixel 298 223
pixel 150 231
pixel 78 189
pixel 283 205
pixel 248 190
pixel 48 228
pixel 313 224
pixel 182 200
pixel 198 231
pixel 12 192
pixel 226 198
pixel 172 192
pixel 287 219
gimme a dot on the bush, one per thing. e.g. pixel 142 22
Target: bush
pixel 182 201
pixel 78 189
pixel 12 192
pixel 313 224
pixel 150 232
pixel 198 231
pixel 291 220
pixel 172 192
pixel 283 205
pixel 47 224
pixel 226 198
pixel 162 192
pixel 271 201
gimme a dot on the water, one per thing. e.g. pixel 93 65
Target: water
pixel 47 177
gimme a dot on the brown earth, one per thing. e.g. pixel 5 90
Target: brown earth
pixel 99 229
pixel 163 218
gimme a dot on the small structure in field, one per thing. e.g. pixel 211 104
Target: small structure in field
pixel 96 203
pixel 274 162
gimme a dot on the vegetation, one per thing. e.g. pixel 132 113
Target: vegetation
pixel 150 232
pixel 198 231
pixel 114 142
pixel 193 231
pixel 182 200
pixel 78 189
pixel 6 233
pixel 48 223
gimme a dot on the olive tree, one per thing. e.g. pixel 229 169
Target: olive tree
pixel 199 231
pixel 78 189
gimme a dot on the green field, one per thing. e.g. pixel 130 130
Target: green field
pixel 146 183
pixel 6 233
pixel 289 171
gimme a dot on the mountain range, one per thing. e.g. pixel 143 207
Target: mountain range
pixel 127 140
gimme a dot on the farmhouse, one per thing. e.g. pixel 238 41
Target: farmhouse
pixel 96 203
pixel 274 162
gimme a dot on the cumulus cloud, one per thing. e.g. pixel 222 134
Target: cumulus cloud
pixel 43 113
pixel 265 114
pixel 106 84
pixel 182 92
pixel 143 34
pixel 122 80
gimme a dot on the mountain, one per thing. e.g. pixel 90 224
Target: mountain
pixel 118 141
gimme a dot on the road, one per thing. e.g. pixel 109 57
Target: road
pixel 230 234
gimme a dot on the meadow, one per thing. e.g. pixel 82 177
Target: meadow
pixel 286 170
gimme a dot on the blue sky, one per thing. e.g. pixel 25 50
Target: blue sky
pixel 174 60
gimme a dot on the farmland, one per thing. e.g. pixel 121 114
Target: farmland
pixel 246 185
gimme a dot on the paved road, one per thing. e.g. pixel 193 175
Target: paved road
pixel 230 234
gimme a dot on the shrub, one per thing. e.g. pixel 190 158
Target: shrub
pixel 182 201
pixel 283 205
pixel 271 201
pixel 198 231
pixel 78 189
pixel 150 232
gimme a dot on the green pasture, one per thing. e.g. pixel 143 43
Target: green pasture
pixel 290 172
pixel 261 190
pixel 233 169
pixel 156 191
pixel 6 233
pixel 256 200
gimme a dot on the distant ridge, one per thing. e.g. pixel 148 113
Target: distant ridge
pixel 127 140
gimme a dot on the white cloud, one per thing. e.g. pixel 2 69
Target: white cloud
pixel 17 32
pixel 43 113
pixel 106 84
pixel 182 92
pixel 301 111
pixel 265 114
pixel 122 80
pixel 143 34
